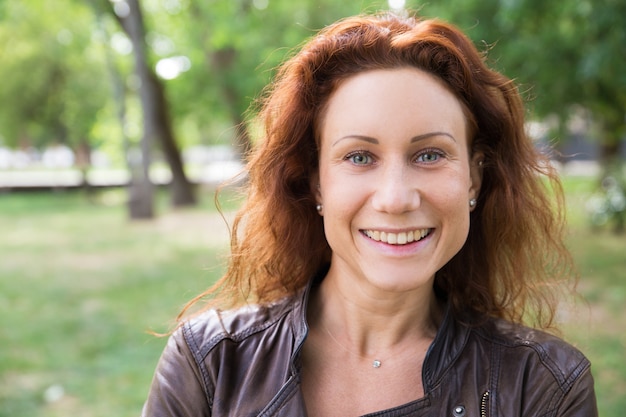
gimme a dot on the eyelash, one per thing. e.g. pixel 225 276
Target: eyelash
pixel 430 151
pixel 351 155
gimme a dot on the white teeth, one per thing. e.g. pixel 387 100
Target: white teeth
pixel 401 238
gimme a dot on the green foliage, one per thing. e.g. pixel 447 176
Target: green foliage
pixel 53 77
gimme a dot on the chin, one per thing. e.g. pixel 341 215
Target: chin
pixel 395 282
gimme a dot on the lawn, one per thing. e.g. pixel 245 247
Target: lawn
pixel 598 327
pixel 81 287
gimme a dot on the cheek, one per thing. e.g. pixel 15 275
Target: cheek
pixel 451 188
pixel 451 198
pixel 339 190
pixel 342 199
pixel 341 202
pixel 338 224
pixel 459 219
pixel 455 214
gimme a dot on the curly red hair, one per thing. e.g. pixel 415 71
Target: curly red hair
pixel 515 243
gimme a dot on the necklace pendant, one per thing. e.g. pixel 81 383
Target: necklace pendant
pixel 376 363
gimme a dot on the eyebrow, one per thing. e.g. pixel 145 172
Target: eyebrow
pixel 413 139
pixel 431 134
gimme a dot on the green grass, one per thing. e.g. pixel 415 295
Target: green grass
pixel 80 286
pixel 599 326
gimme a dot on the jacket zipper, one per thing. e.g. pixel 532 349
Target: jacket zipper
pixel 484 402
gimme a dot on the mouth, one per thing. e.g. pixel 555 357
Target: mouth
pixel 401 238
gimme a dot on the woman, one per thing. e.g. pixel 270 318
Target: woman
pixel 396 236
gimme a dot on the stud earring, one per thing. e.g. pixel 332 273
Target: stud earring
pixel 472 203
pixel 319 208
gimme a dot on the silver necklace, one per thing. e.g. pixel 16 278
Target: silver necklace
pixel 376 363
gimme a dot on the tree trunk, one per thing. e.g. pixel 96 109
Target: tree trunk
pixel 141 190
pixel 83 163
pixel 156 121
pixel 182 192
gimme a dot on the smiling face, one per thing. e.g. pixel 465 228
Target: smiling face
pixel 395 178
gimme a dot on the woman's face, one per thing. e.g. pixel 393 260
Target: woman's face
pixel 395 178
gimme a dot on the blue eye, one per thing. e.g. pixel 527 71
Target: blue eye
pixel 359 158
pixel 429 156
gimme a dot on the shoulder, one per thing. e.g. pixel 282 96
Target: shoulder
pixel 207 330
pixel 537 351
pixel 208 356
pixel 244 356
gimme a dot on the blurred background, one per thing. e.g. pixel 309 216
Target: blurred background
pixel 119 118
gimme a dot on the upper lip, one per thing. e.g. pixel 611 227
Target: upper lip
pixel 395 229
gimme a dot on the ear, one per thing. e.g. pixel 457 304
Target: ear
pixel 476 173
pixel 314 185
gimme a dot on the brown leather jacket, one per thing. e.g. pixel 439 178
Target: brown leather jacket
pixel 245 363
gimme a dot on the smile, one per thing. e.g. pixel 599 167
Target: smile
pixel 401 238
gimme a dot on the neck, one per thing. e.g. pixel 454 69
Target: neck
pixel 375 324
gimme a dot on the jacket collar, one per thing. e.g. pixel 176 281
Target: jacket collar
pixel 449 342
pixel 300 326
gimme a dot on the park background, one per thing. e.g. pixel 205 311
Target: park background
pixel 118 120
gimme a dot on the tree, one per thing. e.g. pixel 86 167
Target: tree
pixel 48 69
pixel 156 118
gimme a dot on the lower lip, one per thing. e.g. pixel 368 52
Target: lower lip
pixel 408 248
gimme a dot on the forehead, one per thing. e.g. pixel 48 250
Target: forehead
pixel 392 100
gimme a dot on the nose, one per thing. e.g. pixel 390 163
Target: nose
pixel 396 191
